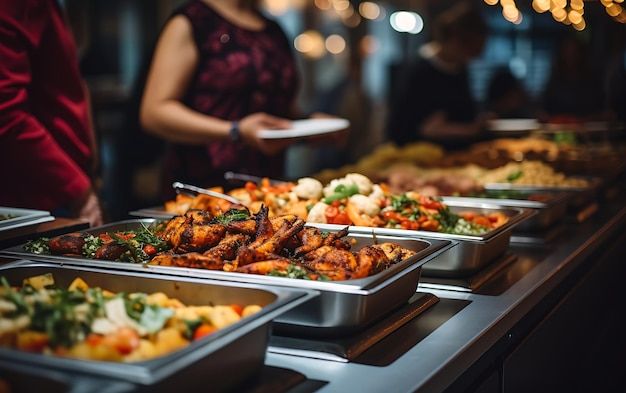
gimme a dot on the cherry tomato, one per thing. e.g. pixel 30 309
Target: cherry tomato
pixel 331 212
pixel 94 339
pixel 149 249
pixel 203 330
pixel 237 308
pixel 340 218
pixel 125 340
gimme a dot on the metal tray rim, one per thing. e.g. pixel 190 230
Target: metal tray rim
pixel 23 216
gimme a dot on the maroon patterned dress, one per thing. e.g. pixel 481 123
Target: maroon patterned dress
pixel 239 72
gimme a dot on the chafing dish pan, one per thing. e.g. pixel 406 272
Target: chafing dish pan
pixel 548 212
pixel 342 305
pixel 209 361
pixel 470 253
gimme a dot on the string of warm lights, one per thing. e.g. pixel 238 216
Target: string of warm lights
pixel 312 44
pixel 569 13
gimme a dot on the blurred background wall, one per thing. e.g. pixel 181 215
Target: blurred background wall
pixel 351 57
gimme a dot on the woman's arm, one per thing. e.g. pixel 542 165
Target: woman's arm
pixel 162 111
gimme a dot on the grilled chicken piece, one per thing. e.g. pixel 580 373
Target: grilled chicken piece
pixel 370 260
pixel 247 227
pixel 213 259
pixel 110 251
pixel 190 259
pixel 189 238
pixel 336 239
pixel 171 227
pixel 71 243
pixel 227 248
pixel 264 246
pixel 265 267
pixel 333 263
pixel 395 252
pixel 278 222
pixel 311 239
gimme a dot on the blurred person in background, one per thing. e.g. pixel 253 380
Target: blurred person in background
pixel 506 96
pixel 47 144
pixel 220 73
pixel 573 91
pixel 437 104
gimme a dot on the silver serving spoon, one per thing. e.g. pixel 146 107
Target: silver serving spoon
pixel 189 189
pixel 233 176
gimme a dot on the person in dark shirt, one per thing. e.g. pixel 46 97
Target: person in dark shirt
pixel 221 72
pixel 436 103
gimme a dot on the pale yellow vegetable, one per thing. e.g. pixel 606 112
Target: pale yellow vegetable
pixel 78 284
pixel 39 282
pixel 249 310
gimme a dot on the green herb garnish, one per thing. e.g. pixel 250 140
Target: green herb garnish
pixel 295 271
pixel 399 203
pixel 39 246
pixel 514 176
pixel 230 216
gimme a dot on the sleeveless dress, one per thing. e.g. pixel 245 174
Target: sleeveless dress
pixel 239 72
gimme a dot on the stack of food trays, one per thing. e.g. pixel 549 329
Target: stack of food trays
pixel 15 221
pixel 238 346
pixel 341 307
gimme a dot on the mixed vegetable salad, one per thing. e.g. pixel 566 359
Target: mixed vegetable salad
pixel 92 323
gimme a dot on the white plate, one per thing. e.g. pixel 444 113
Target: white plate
pixel 309 127
pixel 513 125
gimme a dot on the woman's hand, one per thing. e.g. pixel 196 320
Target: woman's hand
pixel 250 126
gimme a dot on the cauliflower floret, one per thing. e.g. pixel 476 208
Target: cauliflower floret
pixel 377 193
pixel 364 205
pixel 330 188
pixel 318 213
pixel 308 188
pixel 365 185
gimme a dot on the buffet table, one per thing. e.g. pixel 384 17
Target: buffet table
pixel 529 321
pixel 488 344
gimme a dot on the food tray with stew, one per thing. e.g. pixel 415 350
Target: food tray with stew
pixel 350 297
pixel 155 330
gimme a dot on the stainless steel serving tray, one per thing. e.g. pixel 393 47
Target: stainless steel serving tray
pixel 580 196
pixel 22 218
pixel 471 253
pixel 152 212
pixel 240 346
pixel 342 305
pixel 547 213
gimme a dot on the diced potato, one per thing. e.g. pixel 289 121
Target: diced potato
pixel 146 350
pixel 169 340
pixel 251 309
pixel 222 316
pixel 39 282
pixel 78 284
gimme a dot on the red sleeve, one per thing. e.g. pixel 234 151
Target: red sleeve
pixel 26 145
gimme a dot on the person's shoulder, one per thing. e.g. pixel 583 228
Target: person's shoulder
pixel 27 17
pixel 195 11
